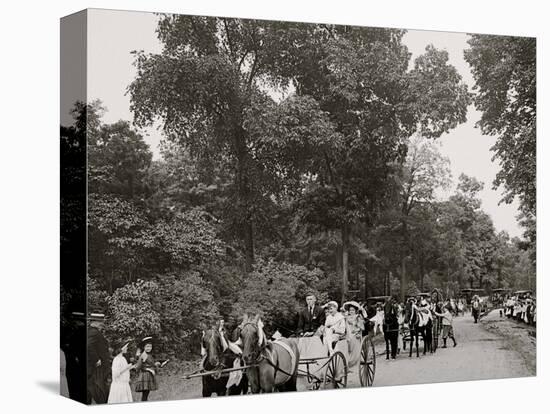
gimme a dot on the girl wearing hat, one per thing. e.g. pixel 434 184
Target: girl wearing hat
pixel 120 391
pixel 147 369
pixel 335 326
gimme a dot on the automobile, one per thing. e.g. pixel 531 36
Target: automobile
pixel 523 294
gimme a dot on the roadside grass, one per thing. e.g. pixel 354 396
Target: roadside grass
pixel 172 386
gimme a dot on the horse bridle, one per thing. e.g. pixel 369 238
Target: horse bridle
pixel 262 357
pixel 262 348
pixel 221 365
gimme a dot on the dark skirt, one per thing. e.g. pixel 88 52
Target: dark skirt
pixel 146 382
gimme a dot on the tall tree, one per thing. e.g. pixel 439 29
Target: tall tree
pixel 360 78
pixel 207 86
pixel 424 172
pixel 504 69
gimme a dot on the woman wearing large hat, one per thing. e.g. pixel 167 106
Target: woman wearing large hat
pixel 355 325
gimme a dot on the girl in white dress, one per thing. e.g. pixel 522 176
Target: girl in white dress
pixel 120 386
pixel 335 326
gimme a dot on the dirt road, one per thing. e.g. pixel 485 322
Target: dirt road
pixel 495 348
pixel 486 350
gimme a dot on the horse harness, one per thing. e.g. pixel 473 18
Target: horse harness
pixel 276 366
pixel 266 355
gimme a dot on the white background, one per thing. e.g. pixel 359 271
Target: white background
pixel 29 210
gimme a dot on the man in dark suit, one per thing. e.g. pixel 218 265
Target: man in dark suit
pixel 310 318
pixel 99 361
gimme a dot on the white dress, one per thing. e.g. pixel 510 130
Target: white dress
pixel 335 328
pixel 63 388
pixel 120 387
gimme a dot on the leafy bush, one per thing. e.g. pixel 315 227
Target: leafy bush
pixel 131 312
pixel 97 297
pixel 185 304
pixel 277 291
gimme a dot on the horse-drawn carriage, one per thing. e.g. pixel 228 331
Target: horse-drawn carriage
pixel 334 372
pixel 414 327
pixel 273 361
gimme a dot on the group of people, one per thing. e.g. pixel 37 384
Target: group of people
pixel 390 319
pixel 332 324
pixel 521 309
pixel 354 320
pixel 108 368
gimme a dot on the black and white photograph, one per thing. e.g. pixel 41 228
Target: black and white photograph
pixel 286 206
pixel 269 207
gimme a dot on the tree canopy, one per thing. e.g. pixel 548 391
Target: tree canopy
pixel 504 69
pixel 297 158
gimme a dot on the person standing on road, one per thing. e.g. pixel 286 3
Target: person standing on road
pixel 391 327
pixel 447 322
pixel 475 308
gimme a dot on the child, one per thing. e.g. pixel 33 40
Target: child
pixel 147 369
pixel 120 391
pixel 447 323
pixel 335 326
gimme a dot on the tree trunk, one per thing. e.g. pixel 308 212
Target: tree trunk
pixel 249 245
pixel 422 273
pixel 404 281
pixel 345 261
pixel 243 188
pixel 368 268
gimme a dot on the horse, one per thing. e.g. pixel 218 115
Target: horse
pixel 217 357
pixel 412 318
pixel 274 364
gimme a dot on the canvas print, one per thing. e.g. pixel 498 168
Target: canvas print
pixel 251 206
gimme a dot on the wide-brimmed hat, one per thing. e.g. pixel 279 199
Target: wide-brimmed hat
pixel 351 303
pixel 332 303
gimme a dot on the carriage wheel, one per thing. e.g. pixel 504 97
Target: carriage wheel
pixel 367 366
pixel 336 374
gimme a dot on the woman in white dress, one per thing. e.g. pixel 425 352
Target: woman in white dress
pixel 120 386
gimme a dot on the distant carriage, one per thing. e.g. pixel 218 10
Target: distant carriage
pixel 499 295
